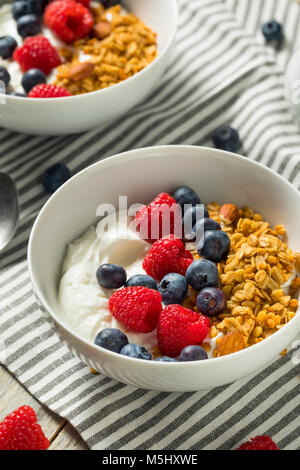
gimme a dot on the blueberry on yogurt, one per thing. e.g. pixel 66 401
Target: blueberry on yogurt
pixel 28 25
pixel 7 46
pixel 111 276
pixel 173 288
pixel 111 339
pixel 141 280
pixel 31 78
pixel 136 351
pixel 193 353
pixel 185 195
pixel 202 273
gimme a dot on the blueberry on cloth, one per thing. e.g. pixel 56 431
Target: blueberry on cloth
pixel 111 339
pixel 7 46
pixel 272 30
pixel 226 138
pixel 214 245
pixel 111 276
pixel 4 76
pixel 31 78
pixel 173 289
pixel 55 176
pixel 211 301
pixel 202 273
pixel 28 25
pixel 193 353
pixel 137 351
pixel 141 280
pixel 185 195
pixel 165 359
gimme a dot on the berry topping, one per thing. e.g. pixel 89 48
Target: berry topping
pixel 136 308
pixel 202 226
pixel 193 215
pixel 173 288
pixel 141 280
pixel 109 3
pixel 202 273
pixel 193 353
pixel 167 255
pixel 111 339
pixel 165 359
pixel 137 351
pixel 111 276
pixel 7 46
pixel 162 217
pixel 21 431
pixel 68 19
pixel 31 78
pixel 21 8
pixel 85 3
pixel 272 30
pixel 55 176
pixel 48 91
pixel 37 53
pixel 179 327
pixel 28 25
pixel 226 138
pixel 259 443
pixel 214 245
pixel 15 93
pixel 185 195
pixel 211 301
pixel 4 76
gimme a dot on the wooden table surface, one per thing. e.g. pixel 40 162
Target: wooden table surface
pixel 59 432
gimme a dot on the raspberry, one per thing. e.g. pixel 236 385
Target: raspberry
pixel 68 19
pixel 167 255
pixel 162 217
pixel 37 53
pixel 21 431
pixel 85 3
pixel 136 308
pixel 48 91
pixel 179 327
pixel 259 443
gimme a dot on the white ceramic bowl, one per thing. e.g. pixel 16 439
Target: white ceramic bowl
pixel 142 174
pixel 54 116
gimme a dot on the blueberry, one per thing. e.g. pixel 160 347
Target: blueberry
pixel 141 280
pixel 214 245
pixel 55 176
pixel 28 25
pixel 14 93
pixel 109 3
pixel 272 30
pixel 193 353
pixel 111 339
pixel 7 46
pixel 226 138
pixel 137 351
pixel 20 8
pixel 202 273
pixel 173 289
pixel 165 359
pixel 185 195
pixel 111 276
pixel 193 215
pixel 211 301
pixel 31 78
pixel 202 226
pixel 4 76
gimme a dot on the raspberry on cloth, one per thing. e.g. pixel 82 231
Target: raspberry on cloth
pixel 259 443
pixel 21 431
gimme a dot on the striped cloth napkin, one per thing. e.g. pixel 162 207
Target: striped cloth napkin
pixel 222 72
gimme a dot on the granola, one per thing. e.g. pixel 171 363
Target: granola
pixel 253 278
pixel 121 45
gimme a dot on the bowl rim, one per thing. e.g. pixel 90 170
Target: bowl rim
pixel 107 90
pixel 131 155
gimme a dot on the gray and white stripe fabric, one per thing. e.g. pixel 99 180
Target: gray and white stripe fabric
pixel 222 72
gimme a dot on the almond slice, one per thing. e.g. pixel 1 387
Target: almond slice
pixel 102 29
pixel 80 70
pixel 230 343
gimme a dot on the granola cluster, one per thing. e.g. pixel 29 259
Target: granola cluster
pixel 121 45
pixel 258 266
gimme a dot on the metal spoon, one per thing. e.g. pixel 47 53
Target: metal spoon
pixel 9 209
